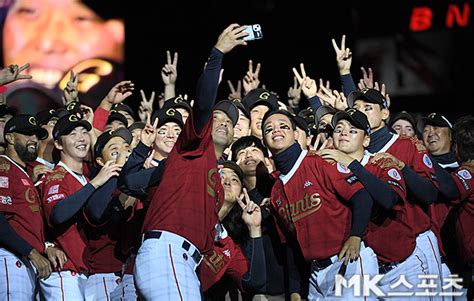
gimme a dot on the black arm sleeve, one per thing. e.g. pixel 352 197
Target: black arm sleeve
pixel 96 207
pixel 134 164
pixel 348 84
pixel 447 187
pixel 294 275
pixel 256 277
pixel 422 189
pixel 137 184
pixel 206 90
pixel 315 103
pixel 11 241
pixel 66 208
pixel 380 192
pixel 361 209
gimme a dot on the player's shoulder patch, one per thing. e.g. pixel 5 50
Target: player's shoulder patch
pixel 342 168
pixel 427 161
pixel 394 174
pixel 464 173
pixel 4 165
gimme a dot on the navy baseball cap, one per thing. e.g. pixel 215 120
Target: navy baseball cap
pixel 168 115
pixel 105 137
pixel 405 116
pixel 115 115
pixel 137 125
pixel 355 117
pixel 433 119
pixel 45 116
pixel 74 107
pixel 25 124
pixel 241 107
pixel 229 108
pixel 232 165
pixel 258 97
pixel 123 107
pixel 323 110
pixel 67 124
pixel 367 95
pixel 177 102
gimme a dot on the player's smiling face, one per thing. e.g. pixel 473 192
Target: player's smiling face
pixel 242 127
pixel 256 117
pixel 248 158
pixel 374 112
pixel 76 145
pixel 222 129
pixel 116 149
pixel 166 137
pixel 437 139
pixel 349 139
pixel 278 133
pixel 231 184
pixel 26 146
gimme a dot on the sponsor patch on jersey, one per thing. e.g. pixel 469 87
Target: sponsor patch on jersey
pixel 55 197
pixel 393 173
pixel 342 169
pixel 465 174
pixel 25 182
pixel 5 200
pixel 396 184
pixel 226 253
pixel 427 161
pixel 53 189
pixel 352 179
pixel 3 182
pixel 463 182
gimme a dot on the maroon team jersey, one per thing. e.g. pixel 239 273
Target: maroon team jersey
pixel 20 203
pixel 413 153
pixel 311 201
pixel 389 234
pixel 68 236
pixel 464 221
pixel 225 258
pixel 190 194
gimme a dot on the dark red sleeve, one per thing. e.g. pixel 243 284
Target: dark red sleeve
pixel 101 116
pixel 190 143
pixel 339 179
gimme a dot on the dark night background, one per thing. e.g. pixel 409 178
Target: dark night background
pixel 438 59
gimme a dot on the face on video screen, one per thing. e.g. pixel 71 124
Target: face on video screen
pixel 56 35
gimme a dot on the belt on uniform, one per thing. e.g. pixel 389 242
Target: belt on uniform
pixel 319 265
pixel 185 245
pixel 385 267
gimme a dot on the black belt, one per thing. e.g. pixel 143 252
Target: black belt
pixel 185 245
pixel 386 267
pixel 319 265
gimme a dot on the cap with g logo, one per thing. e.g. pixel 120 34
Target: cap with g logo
pixel 367 95
pixel 167 115
pixel 177 102
pixel 25 124
pixel 355 117
pixel 435 119
pixel 67 124
pixel 258 97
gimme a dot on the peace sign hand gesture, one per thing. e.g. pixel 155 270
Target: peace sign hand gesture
pixel 148 134
pixel 146 105
pixel 12 73
pixel 343 56
pixel 169 72
pixel 251 214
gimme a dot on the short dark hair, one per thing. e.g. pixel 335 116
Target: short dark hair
pixel 282 112
pixel 463 136
pixel 247 141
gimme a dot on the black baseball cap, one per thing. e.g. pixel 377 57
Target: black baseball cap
pixel 241 107
pixel 247 141
pixel 105 137
pixel 6 110
pixel 433 119
pixel 67 124
pixel 232 165
pixel 405 116
pixel 367 95
pixel 74 107
pixel 177 102
pixel 355 117
pixel 258 97
pixel 123 107
pixel 45 116
pixel 168 115
pixel 137 125
pixel 115 115
pixel 301 123
pixel 25 124
pixel 229 108
pixel 323 110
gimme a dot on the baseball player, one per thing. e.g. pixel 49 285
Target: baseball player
pixel 226 257
pixel 106 214
pixel 258 102
pixel 312 194
pixel 22 234
pixel 180 221
pixel 64 192
pixel 417 169
pixel 388 233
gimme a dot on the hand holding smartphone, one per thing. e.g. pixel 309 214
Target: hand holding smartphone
pixel 254 31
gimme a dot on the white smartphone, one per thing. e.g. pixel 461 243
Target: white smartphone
pixel 254 31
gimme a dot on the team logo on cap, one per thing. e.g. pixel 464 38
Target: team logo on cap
pixel 351 111
pixel 178 99
pixel 264 95
pixel 32 120
pixel 171 112
pixel 71 106
pixel 427 161
pixel 432 115
pixel 393 173
pixel 73 118
pixel 466 175
pixel 364 90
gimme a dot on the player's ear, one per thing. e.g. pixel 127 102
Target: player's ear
pixel 385 114
pixel 117 30
pixel 297 134
pixel 10 138
pixel 366 141
pixel 58 144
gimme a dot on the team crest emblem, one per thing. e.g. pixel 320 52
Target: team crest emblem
pixel 342 169
pixel 393 173
pixel 427 161
pixel 466 175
